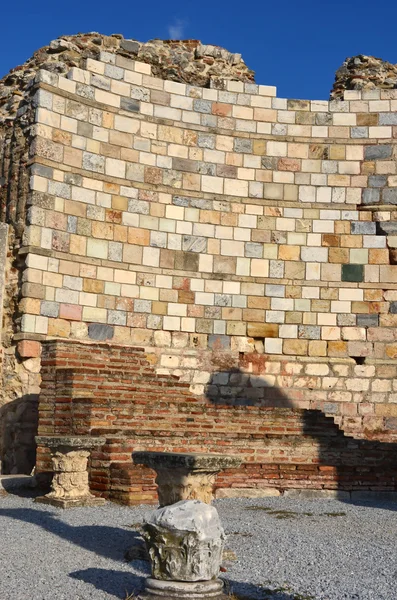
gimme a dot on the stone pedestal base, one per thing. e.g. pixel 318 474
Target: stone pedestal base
pixel 69 455
pixel 170 590
pixel 62 503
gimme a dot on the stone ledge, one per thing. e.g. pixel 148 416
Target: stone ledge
pixel 246 493
pixel 195 461
pixel 60 503
pixel 70 441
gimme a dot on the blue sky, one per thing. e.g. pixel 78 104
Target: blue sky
pixel 295 45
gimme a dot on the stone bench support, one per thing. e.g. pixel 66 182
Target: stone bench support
pixel 69 455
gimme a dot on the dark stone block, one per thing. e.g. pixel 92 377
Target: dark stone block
pixel 393 308
pixel 363 227
pixel 370 196
pixel 353 273
pixel 130 105
pixel 367 320
pixel 42 170
pixel 98 331
pixel 377 181
pixel 187 261
pixel 389 196
pixel 386 227
pixel 378 152
pixel 130 46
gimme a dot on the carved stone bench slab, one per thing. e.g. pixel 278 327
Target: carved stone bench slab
pixel 69 455
pixel 185 476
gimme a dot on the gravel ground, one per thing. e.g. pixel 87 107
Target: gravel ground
pixel 319 549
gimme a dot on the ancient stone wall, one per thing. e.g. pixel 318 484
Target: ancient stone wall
pixel 235 236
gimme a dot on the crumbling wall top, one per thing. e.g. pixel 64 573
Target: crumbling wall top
pixel 185 61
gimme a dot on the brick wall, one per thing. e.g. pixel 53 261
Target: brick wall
pixel 113 391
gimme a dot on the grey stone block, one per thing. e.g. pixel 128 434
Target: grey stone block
pixel 206 168
pixel 378 152
pixel 117 317
pixel 367 320
pixel 359 132
pixel 42 170
pixel 115 251
pixel 243 145
pixel 180 201
pixel 331 408
pixel 370 196
pixel 99 331
pixel 324 119
pixel 388 118
pixel 130 105
pixel 253 250
pixel 138 206
pixel 223 300
pixel 202 106
pixel 206 140
pixel 387 227
pixel 138 93
pixel 56 188
pixel 201 203
pixel 130 46
pixel 377 181
pixel 49 309
pixel 274 290
pixel 346 320
pixel 363 227
pixel 114 72
pixel 86 91
pixel 93 162
pixel 158 239
pixel 309 332
pixel 192 243
pixel 143 306
pixel 100 82
pixel 208 120
pixel 389 196
pixel 73 179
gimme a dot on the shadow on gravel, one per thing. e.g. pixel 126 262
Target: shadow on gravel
pixel 237 590
pixel 119 584
pixel 110 542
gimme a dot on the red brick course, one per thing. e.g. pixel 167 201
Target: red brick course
pixel 113 391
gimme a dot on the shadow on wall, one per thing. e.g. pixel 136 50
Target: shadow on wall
pixel 18 427
pixel 306 448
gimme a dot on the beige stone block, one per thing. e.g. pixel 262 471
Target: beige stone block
pixel 259 267
pixel 317 348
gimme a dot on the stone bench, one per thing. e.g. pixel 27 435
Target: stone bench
pixel 69 455
pixel 185 476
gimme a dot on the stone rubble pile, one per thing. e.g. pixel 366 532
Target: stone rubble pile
pixel 185 61
pixel 364 73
